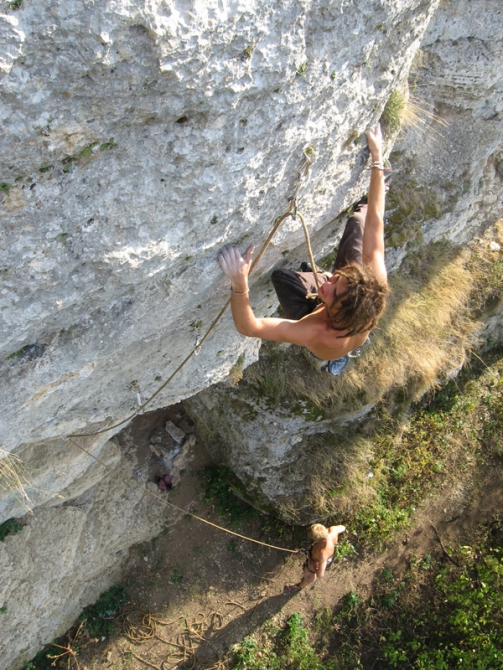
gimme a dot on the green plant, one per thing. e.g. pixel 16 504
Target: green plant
pixel 68 162
pixel 460 624
pixel 16 354
pixel 176 577
pixel 236 372
pixel 333 75
pixel 15 4
pixel 87 152
pixel 9 527
pixel 301 72
pixel 45 168
pixel 351 601
pixel 5 187
pixel 62 238
pixel 285 648
pixel 220 493
pixel 3 609
pixel 214 220
pixel 111 144
pixel 41 661
pixel 391 116
pixel 99 618
pixel 248 52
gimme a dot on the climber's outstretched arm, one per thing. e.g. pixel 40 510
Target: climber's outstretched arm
pixel 373 236
pixel 237 267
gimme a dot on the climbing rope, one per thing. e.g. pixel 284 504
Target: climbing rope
pixel 304 170
pixel 277 223
pixel 141 626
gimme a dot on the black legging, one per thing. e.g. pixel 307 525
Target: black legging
pixel 291 287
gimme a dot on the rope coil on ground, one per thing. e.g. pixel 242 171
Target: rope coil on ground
pixel 141 626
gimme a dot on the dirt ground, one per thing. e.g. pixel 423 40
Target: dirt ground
pixel 195 591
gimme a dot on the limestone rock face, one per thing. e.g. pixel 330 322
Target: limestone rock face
pixel 456 156
pixel 66 556
pixel 138 138
pixel 136 142
pixel 268 447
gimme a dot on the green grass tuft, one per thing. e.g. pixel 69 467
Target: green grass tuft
pixel 283 649
pixel 391 116
pixel 99 618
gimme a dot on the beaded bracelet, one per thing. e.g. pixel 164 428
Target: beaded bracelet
pixel 379 166
pixel 240 292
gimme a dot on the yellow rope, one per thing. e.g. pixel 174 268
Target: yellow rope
pixel 277 223
pixel 139 627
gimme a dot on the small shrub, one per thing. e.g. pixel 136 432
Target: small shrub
pixel 9 527
pixel 301 72
pixel 99 618
pixel 236 372
pixel 248 52
pixel 176 577
pixel 391 116
pixel 42 661
pixel 220 493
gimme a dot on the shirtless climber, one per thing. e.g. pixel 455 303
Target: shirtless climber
pixel 348 304
pixel 319 556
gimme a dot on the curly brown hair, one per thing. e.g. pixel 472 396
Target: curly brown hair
pixel 358 309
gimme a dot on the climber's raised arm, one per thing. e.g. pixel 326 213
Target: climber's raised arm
pixel 373 236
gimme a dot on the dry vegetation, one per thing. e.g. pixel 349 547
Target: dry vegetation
pixel 13 479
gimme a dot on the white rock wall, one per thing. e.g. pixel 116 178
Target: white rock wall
pixel 458 154
pixel 267 447
pixel 66 556
pixel 108 248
